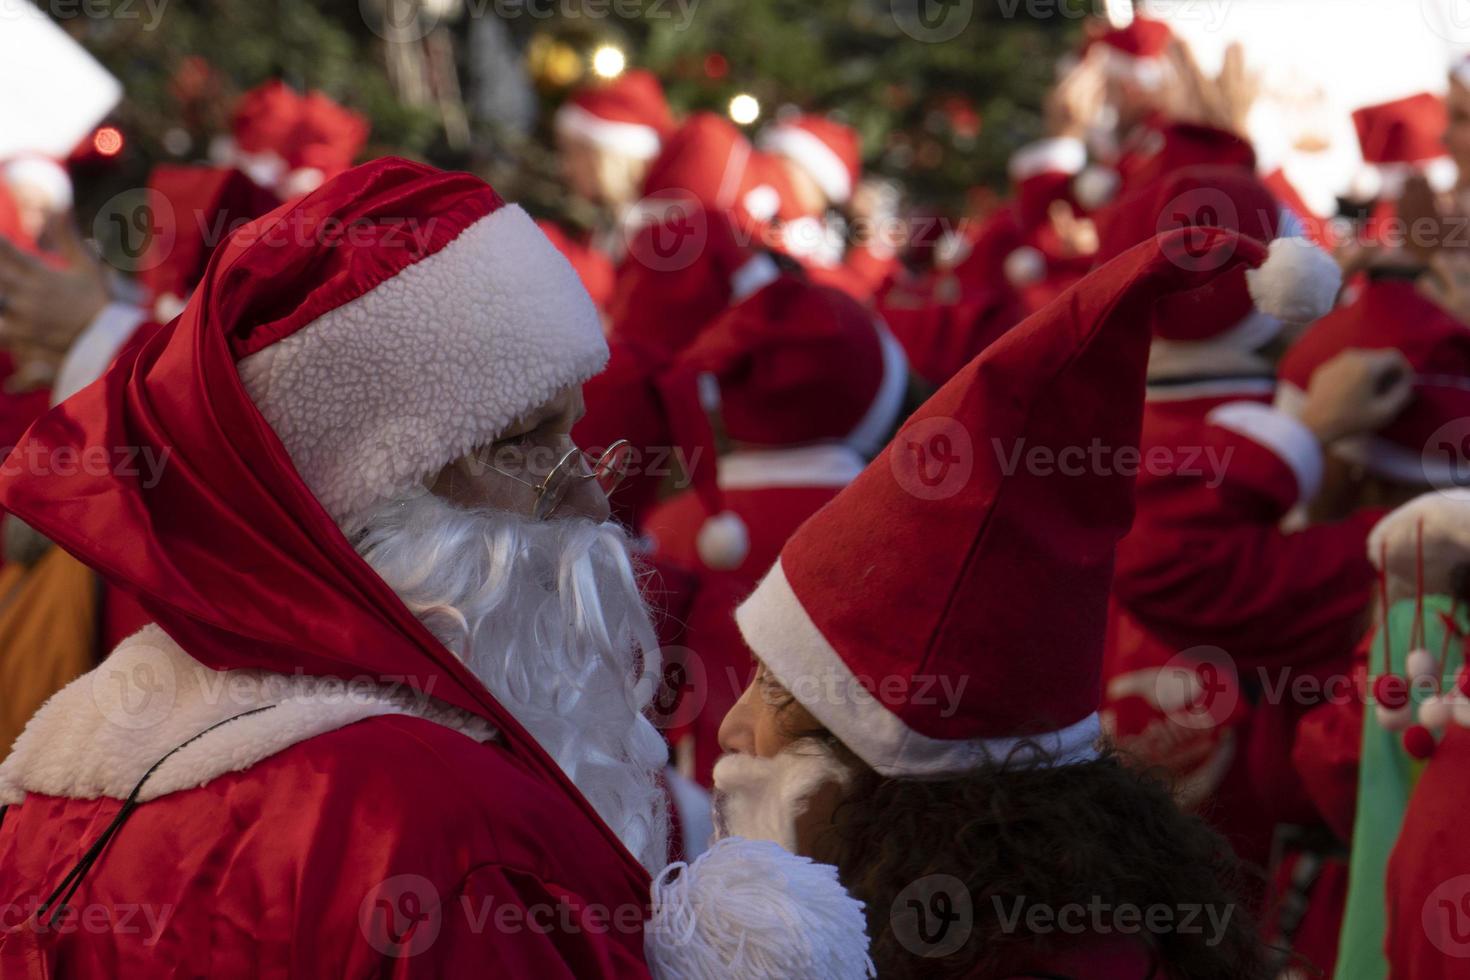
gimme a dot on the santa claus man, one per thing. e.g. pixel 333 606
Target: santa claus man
pixel 388 717
pixel 925 714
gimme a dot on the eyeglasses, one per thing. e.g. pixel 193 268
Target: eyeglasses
pixel 571 470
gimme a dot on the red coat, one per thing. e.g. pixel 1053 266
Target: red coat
pixel 1428 885
pixel 310 862
pixel 755 486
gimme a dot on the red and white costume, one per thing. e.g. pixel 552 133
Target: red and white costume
pixel 807 384
pixel 289 823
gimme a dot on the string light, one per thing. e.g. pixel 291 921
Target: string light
pixel 608 61
pixel 108 141
pixel 745 109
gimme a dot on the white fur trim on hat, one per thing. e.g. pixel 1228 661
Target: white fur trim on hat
pixel 630 139
pixel 1297 283
pixel 1058 154
pixel 876 427
pixel 376 395
pixel 779 632
pixel 750 910
pixel 1286 438
pixel 812 155
pixel 830 465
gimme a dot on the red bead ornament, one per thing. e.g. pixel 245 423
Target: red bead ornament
pixel 1419 742
pixel 1391 691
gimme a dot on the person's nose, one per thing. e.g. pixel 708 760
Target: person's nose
pixel 737 731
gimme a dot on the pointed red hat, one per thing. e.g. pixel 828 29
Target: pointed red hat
pixel 627 115
pixel 826 149
pixel 265 117
pixel 794 364
pixel 326 141
pixel 952 600
pixel 1136 51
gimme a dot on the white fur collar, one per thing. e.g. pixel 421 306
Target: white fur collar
pixel 98 735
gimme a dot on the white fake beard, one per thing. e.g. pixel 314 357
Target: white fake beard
pixel 761 799
pixel 549 616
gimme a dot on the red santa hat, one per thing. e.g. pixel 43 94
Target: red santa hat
pixel 827 150
pixel 627 115
pixel 796 363
pixel 1398 139
pixel 1136 51
pixel 196 208
pixel 1391 314
pixel 326 141
pixel 983 557
pixel 288 142
pixel 1297 284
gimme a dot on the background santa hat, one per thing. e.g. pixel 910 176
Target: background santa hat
pixel 828 151
pixel 986 575
pixel 1399 139
pixel 1230 313
pixel 39 177
pixel 1137 51
pixel 794 364
pixel 288 142
pixel 195 208
pixel 627 115
pixel 1422 445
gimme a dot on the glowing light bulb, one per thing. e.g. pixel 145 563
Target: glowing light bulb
pixel 608 61
pixel 745 109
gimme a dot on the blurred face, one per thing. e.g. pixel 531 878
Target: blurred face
pixel 1457 137
pixel 580 166
pixel 773 783
pixel 504 475
pixel 809 195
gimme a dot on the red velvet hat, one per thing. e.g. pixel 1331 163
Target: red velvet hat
pixel 795 363
pixel 827 150
pixel 1136 51
pixel 951 602
pixel 327 139
pixel 1299 279
pixel 627 115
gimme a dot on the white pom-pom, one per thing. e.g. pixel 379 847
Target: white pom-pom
pixel 723 541
pixel 750 909
pixel 1096 186
pixel 1025 266
pixel 1394 719
pixel 1460 708
pixel 1435 712
pixel 1422 666
pixel 1297 283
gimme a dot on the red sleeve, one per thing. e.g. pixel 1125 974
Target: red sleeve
pixel 1326 753
pixel 505 922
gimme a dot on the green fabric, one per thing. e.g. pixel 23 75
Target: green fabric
pixel 1386 778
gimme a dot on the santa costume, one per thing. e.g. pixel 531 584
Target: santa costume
pixel 292 767
pixel 960 540
pixel 806 386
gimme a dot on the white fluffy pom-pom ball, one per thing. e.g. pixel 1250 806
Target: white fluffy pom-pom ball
pixel 723 541
pixel 1297 283
pixel 1096 186
pixel 1435 712
pixel 1025 266
pixel 751 910
pixel 1394 719
pixel 1421 666
pixel 1460 709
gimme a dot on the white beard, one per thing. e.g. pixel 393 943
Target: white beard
pixel 549 616
pixel 761 799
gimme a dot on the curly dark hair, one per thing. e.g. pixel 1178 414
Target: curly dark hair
pixel 1091 834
